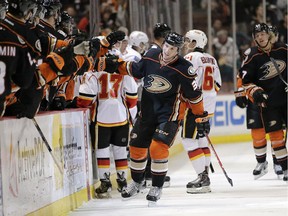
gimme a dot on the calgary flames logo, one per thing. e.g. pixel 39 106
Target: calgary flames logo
pixel 157 84
pixel 270 71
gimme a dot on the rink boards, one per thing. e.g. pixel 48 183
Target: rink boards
pixel 31 183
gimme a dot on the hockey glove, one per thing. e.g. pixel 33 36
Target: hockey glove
pixel 82 48
pixel 203 125
pixel 58 103
pixel 259 96
pixel 94 47
pixel 60 57
pixel 108 64
pixel 114 37
pixel 241 99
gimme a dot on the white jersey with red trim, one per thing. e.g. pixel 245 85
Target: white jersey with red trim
pixel 208 77
pixel 113 93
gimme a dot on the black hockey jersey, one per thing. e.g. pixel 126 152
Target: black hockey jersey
pixel 16 65
pixel 164 86
pixel 257 68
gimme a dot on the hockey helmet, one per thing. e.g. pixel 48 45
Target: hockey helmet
pixel 66 23
pixel 274 30
pixel 262 27
pixel 52 6
pixel 198 36
pixel 161 30
pixel 22 7
pixel 174 39
pixel 138 37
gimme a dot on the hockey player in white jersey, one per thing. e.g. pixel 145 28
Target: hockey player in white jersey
pixel 209 81
pixel 110 95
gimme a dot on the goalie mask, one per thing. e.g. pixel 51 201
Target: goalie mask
pixel 199 37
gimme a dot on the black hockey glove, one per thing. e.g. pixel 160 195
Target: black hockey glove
pixel 259 96
pixel 108 64
pixel 241 99
pixel 58 103
pixel 114 37
pixel 203 125
pixel 94 46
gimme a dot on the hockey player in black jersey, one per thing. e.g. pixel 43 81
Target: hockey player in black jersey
pixel 264 79
pixel 168 81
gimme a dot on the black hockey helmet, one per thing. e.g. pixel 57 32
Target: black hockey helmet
pixel 274 30
pixel 21 7
pixel 261 27
pixel 66 23
pixel 52 7
pixel 161 30
pixel 174 39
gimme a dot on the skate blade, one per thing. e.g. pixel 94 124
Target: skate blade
pixel 199 190
pixel 166 184
pixel 261 174
pixel 103 196
pixel 152 203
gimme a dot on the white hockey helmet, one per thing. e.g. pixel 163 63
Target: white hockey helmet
pixel 198 36
pixel 138 37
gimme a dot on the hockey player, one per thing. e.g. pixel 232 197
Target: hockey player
pixel 111 95
pixel 209 81
pixel 167 79
pixel 263 74
pixel 254 122
pixel 160 31
pixel 17 66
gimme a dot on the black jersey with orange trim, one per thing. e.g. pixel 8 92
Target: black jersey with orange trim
pixel 16 64
pixel 163 87
pixel 257 68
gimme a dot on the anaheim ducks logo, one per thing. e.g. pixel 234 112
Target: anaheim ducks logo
pixel 270 71
pixel 157 84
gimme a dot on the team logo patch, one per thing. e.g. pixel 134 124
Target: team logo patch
pixel 247 52
pixel 157 84
pixel 192 71
pixel 270 71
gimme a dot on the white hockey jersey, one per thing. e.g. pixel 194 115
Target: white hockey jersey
pixel 114 94
pixel 208 77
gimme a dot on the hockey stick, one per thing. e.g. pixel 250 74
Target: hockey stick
pixel 279 73
pixel 47 145
pixel 220 163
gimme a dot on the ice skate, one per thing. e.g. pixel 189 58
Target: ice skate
pixel 165 185
pixel 200 185
pixel 260 170
pixel 121 182
pixel 132 190
pixel 278 170
pixel 103 191
pixel 285 177
pixel 153 195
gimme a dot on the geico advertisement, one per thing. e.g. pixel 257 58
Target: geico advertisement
pixel 228 118
pixel 30 178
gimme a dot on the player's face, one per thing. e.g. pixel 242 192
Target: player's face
pixel 262 38
pixel 169 51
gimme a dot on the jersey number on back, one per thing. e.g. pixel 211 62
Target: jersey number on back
pixel 2 76
pixel 208 79
pixel 110 84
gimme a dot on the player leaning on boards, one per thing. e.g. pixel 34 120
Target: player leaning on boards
pixel 168 81
pixel 264 84
pixel 209 81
